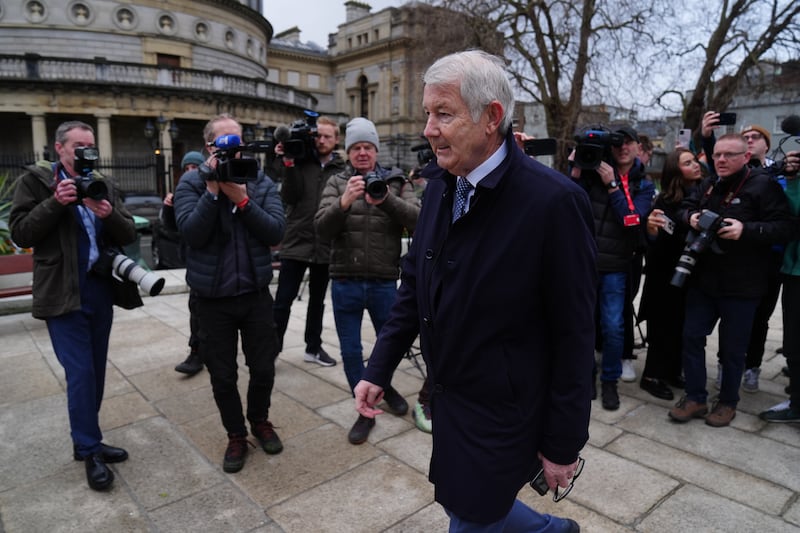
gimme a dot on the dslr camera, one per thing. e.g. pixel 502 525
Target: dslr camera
pixel 232 168
pixel 594 147
pixel 697 242
pixel 298 138
pixel 375 185
pixel 85 159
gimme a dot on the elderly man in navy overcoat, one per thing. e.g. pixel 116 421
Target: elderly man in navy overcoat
pixel 501 289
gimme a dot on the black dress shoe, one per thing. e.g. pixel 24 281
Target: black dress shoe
pixel 609 395
pixel 657 388
pixel 397 405
pixel 360 430
pixel 97 473
pixel 191 366
pixel 677 382
pixel 109 454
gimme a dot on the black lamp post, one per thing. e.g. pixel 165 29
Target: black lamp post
pixel 154 133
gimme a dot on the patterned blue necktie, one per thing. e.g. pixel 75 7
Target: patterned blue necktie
pixel 462 193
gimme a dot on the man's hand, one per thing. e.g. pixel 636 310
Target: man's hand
pixel 353 191
pixel 606 173
pixel 101 208
pixel 557 475
pixel 792 163
pixel 693 220
pixel 66 192
pixel 710 121
pixel 236 192
pixel 732 231
pixel 367 396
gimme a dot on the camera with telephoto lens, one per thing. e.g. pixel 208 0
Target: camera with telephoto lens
pixel 594 147
pixel 85 159
pixel 113 263
pixel 697 242
pixel 375 185
pixel 232 168
pixel 298 138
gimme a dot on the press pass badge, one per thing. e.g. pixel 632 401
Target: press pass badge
pixel 631 220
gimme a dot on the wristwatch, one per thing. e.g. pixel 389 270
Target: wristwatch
pixel 613 184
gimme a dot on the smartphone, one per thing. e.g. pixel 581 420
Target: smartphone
pixel 539 484
pixel 684 137
pixel 727 119
pixel 536 147
pixel 669 225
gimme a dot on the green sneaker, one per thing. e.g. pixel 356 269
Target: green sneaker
pixel 780 413
pixel 422 417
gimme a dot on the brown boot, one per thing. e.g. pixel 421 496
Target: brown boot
pixel 687 409
pixel 721 415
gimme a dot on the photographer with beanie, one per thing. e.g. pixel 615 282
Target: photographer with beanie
pixel 363 212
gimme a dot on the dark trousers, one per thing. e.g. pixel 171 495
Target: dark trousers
pixel 791 335
pixel 758 336
pixel 736 320
pixel 631 290
pixel 194 340
pixel 221 320
pixel 80 342
pixel 289 281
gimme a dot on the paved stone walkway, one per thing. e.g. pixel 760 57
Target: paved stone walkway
pixel 643 473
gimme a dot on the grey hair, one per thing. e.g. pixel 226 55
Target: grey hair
pixel 482 79
pixel 66 127
pixel 208 131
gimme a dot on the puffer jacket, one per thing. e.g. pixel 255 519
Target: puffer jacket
pixel 37 220
pixel 366 239
pixel 205 225
pixel 301 192
pixel 791 257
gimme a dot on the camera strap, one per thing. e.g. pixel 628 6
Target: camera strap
pixel 731 194
pixel 623 178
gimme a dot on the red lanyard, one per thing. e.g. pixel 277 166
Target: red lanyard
pixel 624 179
pixel 732 194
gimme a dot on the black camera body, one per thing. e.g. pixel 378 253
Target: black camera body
pixel 697 242
pixel 594 147
pixel 85 159
pixel 375 185
pixel 298 138
pixel 236 169
pixel 424 153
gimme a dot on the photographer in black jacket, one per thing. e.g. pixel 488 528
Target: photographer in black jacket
pixel 728 280
pixel 229 227
pixel 302 183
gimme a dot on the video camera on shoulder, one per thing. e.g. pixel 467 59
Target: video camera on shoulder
pixel 237 169
pixel 88 187
pixel 594 147
pixel 298 138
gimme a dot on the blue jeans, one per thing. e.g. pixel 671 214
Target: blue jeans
pixel 80 341
pixel 520 519
pixel 736 323
pixel 350 298
pixel 612 301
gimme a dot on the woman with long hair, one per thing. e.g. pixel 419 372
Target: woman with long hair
pixel 663 304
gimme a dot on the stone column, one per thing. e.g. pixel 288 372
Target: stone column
pixel 103 139
pixel 39 134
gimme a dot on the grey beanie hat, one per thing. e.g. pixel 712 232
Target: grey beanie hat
pixel 194 158
pixel 360 130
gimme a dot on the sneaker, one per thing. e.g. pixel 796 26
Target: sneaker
pixel 264 432
pixel 422 417
pixel 780 415
pixel 721 415
pixel 396 404
pixel 628 371
pixel 610 397
pixel 750 381
pixel 687 409
pixel 235 453
pixel 360 431
pixel 192 365
pixel 718 381
pixel 321 358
